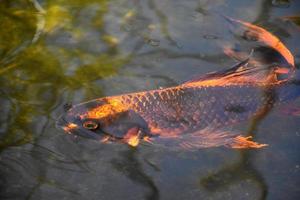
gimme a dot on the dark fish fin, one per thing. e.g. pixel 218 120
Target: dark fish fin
pixel 262 55
pixel 244 72
pixel 252 71
pixel 255 33
pixel 218 74
pixel 234 52
pixel 207 138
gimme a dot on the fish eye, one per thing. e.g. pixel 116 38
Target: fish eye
pixel 91 125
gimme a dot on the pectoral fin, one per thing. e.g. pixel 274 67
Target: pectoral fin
pixel 132 137
pixel 207 138
pixel 241 142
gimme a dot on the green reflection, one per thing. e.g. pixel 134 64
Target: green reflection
pixel 35 69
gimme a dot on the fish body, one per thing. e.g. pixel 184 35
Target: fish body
pixel 196 113
pixel 184 109
pixel 201 108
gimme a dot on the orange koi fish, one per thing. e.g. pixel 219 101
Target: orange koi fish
pixel 195 114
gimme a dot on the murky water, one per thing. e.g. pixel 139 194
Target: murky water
pixel 68 51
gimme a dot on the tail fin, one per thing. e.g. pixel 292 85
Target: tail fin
pixel 252 32
pixel 251 70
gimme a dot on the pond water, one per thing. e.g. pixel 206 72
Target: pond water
pixel 54 52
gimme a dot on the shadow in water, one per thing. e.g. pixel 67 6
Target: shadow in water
pixel 28 164
pixel 132 168
pixel 243 169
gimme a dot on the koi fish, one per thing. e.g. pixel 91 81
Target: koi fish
pixel 195 114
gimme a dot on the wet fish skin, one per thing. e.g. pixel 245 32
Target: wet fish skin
pixel 183 110
pixel 177 110
pixel 211 102
pixel 198 109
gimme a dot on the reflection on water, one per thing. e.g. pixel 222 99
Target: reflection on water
pixel 130 166
pixel 57 52
pixel 244 168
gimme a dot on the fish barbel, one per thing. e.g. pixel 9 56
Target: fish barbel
pixel 194 114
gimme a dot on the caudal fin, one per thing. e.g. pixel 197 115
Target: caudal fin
pixel 253 32
pixel 252 70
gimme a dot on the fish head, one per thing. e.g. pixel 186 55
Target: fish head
pixel 104 120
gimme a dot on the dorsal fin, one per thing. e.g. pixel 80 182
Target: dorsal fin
pixel 218 74
pixel 241 73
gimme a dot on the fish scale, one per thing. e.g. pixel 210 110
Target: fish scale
pixel 194 108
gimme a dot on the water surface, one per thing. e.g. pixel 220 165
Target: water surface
pixel 69 51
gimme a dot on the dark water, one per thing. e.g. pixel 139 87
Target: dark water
pixel 54 52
